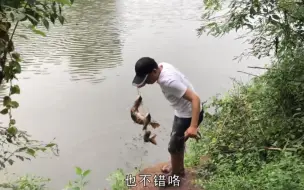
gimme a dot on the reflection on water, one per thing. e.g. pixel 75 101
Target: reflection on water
pixel 89 42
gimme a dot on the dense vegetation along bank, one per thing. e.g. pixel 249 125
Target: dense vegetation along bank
pixel 255 137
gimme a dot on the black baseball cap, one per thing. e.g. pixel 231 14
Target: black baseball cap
pixel 143 67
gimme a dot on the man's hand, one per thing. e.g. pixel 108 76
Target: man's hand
pixel 191 132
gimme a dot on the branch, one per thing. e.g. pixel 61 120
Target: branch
pixel 14 31
pixel 247 73
pixel 258 67
pixel 282 149
pixel 273 148
pixel 16 25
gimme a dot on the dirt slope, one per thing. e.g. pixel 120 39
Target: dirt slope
pixel 185 183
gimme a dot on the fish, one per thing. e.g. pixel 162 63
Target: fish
pixel 147 137
pixel 141 119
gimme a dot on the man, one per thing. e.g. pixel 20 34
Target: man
pixel 182 97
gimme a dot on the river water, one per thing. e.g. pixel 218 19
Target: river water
pixel 76 82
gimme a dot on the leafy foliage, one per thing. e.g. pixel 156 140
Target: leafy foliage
pixel 271 25
pixel 255 136
pixel 80 183
pixel 255 126
pixel 27 182
pixel 287 173
pixel 16 143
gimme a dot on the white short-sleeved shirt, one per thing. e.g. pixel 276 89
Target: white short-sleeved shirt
pixel 174 85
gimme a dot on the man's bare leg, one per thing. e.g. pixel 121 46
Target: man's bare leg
pixel 167 168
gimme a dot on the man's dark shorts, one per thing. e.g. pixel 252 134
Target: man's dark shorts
pixel 180 125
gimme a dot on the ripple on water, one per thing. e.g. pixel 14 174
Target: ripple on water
pixel 92 38
pixel 89 42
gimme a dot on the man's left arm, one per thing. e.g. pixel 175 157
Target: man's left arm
pixel 196 105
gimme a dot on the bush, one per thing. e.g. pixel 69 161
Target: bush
pixel 255 137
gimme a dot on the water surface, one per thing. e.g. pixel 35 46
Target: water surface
pixel 76 84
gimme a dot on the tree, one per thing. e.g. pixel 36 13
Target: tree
pixel 272 24
pixel 17 143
